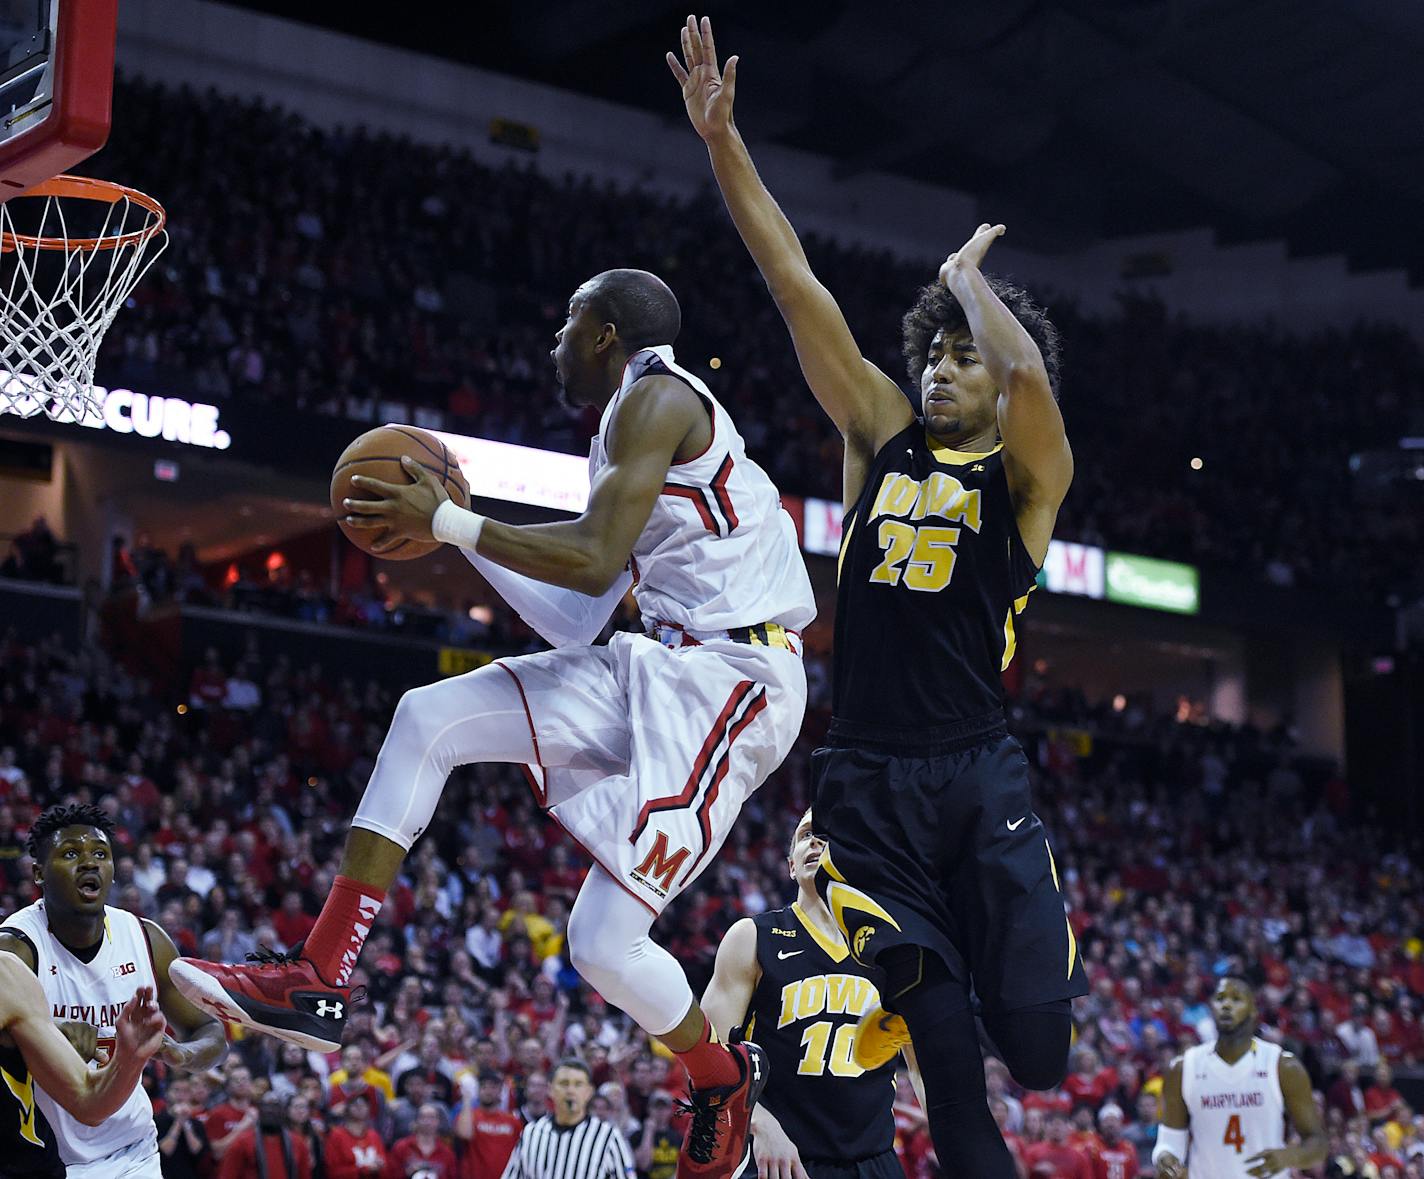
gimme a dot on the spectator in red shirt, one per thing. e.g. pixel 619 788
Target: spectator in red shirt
pixel 489 1133
pixel 1056 1156
pixel 290 921
pixel 422 1154
pixel 1382 1099
pixel 235 1116
pixel 208 686
pixel 1091 1081
pixel 1345 1094
pixel 1115 1157
pixel 353 1149
pixel 1052 1102
pixel 285 1154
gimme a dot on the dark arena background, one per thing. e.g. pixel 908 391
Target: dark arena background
pixel 1219 682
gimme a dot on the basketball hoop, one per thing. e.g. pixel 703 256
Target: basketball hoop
pixel 71 250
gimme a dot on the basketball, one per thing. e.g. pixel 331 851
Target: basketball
pixel 377 454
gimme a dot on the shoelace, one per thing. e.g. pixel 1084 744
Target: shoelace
pixel 706 1126
pixel 265 955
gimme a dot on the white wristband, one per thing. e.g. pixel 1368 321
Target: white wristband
pixel 455 525
pixel 1173 1142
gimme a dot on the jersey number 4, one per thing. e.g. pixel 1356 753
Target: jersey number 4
pixel 926 552
pixel 1233 1136
pixel 816 1039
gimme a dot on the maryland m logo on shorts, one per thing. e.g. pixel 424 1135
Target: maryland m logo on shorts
pixel 658 869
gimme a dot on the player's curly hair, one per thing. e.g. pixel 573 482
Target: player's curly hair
pixel 57 818
pixel 936 307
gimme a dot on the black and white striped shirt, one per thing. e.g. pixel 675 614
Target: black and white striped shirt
pixel 592 1149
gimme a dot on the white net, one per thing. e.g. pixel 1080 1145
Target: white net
pixel 71 250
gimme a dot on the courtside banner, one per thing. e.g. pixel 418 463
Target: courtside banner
pixel 1157 585
pixel 520 474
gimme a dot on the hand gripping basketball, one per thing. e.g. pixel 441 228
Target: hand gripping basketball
pixel 404 510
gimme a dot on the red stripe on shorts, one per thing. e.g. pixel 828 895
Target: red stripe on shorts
pixel 674 802
pixel 704 812
pixel 529 716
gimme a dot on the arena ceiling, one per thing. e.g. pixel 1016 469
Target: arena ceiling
pixel 1074 119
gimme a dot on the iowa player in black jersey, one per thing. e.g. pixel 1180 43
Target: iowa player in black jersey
pixel 937 869
pixel 37 1053
pixel 787 978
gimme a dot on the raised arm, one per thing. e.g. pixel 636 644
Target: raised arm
pixel 588 554
pixel 866 405
pixel 1037 459
pixel 1313 1146
pixel 90 1095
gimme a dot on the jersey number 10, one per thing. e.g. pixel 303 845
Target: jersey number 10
pixel 816 1039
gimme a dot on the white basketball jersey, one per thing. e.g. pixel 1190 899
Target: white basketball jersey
pixel 1234 1110
pixel 718 551
pixel 93 992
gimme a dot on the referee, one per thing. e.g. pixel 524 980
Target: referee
pixel 569 1143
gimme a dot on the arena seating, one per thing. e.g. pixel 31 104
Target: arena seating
pixel 335 270
pixel 1187 850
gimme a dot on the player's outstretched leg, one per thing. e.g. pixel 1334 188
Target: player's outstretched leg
pixel 304 995
pixel 937 1010
pixel 610 947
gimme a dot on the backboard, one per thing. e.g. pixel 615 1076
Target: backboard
pixel 56 81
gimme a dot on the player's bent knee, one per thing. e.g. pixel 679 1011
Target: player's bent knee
pixel 1033 1043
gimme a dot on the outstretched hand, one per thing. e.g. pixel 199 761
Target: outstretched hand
pixel 141 1026
pixel 970 256
pixel 707 90
pixel 403 510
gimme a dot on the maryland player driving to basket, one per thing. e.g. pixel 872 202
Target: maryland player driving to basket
pixel 787 978
pixel 936 868
pixel 644 749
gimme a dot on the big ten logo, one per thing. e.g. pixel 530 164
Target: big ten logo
pixel 921 555
pixel 124 969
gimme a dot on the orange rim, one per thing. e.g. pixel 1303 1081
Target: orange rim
pixel 88 189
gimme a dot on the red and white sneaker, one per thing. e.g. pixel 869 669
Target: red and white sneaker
pixel 280 994
pixel 716 1143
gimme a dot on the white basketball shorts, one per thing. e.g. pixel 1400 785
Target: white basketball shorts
pixel 646 752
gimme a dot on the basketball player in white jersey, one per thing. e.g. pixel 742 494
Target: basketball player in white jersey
pixel 1224 1105
pixel 644 749
pixel 89 958
pixel 38 1053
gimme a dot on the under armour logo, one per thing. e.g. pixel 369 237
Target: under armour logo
pixel 325 1007
pixel 756 1066
pixel 54 969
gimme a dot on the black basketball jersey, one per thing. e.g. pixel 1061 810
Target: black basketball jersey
pixel 27 1145
pixel 932 571
pixel 803 1013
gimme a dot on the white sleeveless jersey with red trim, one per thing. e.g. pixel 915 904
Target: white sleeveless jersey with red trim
pixel 93 992
pixel 719 551
pixel 1234 1111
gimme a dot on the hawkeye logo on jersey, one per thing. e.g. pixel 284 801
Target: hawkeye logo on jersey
pixel 831 994
pixel 921 556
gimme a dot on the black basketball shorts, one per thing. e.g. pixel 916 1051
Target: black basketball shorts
pixel 945 852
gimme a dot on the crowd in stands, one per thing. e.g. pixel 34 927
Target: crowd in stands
pixel 1186 850
pixel 338 271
